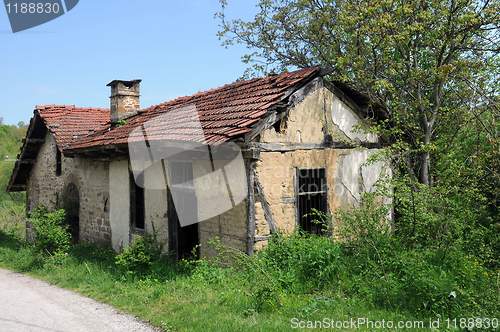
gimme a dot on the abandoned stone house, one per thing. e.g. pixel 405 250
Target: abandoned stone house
pixel 287 149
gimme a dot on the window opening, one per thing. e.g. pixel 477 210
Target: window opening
pixel 137 208
pixel 311 194
pixel 58 162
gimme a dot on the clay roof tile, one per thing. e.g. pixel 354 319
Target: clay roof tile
pixel 222 113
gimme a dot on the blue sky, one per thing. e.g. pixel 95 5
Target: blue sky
pixel 170 44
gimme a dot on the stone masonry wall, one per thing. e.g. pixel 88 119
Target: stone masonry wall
pixel 91 180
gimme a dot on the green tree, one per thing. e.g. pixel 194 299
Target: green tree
pixel 432 64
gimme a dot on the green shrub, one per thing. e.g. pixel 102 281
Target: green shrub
pixel 300 263
pixel 50 233
pixel 142 254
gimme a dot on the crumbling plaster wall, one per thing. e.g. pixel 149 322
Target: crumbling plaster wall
pixel 276 171
pixel 303 123
pixel 319 114
pixel 348 173
pixel 155 202
pixel 91 180
pixel 223 213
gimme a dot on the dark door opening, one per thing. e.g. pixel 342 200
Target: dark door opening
pixel 182 240
pixel 71 201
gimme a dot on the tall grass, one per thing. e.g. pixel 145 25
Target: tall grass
pixel 307 278
pixel 13 218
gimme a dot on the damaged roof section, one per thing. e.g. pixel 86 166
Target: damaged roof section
pixel 65 124
pixel 224 113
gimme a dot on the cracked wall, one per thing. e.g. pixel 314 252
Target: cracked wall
pixel 347 177
pixel 320 113
pixel 348 173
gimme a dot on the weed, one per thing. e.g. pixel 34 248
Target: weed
pixel 141 255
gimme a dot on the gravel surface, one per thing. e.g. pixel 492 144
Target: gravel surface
pixel 29 304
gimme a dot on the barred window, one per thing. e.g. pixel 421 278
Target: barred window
pixel 311 190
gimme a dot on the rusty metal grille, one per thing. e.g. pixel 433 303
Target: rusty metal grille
pixel 311 194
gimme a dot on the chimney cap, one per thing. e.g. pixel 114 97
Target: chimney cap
pixel 128 84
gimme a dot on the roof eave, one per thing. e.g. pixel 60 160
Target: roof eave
pixel 13 184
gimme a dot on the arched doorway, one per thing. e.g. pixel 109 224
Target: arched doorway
pixel 71 201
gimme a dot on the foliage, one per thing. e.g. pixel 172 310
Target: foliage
pixel 10 141
pixel 12 218
pixel 428 268
pixel 48 230
pixel 310 277
pixel 121 123
pixel 142 254
pixel 433 64
pixel 12 215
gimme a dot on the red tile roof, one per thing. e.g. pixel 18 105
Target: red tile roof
pixel 223 113
pixel 65 123
pixel 69 123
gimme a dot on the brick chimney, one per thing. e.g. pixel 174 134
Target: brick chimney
pixel 124 99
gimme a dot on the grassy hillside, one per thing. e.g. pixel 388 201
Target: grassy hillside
pixel 11 206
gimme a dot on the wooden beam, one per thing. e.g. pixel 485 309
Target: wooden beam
pixel 28 161
pixel 251 154
pixel 305 91
pixel 92 154
pixel 262 238
pixel 108 149
pixel 284 147
pixel 35 140
pixel 326 71
pixel 18 187
pixel 250 201
pixel 288 200
pixel 265 207
pixel 342 96
pixel 23 150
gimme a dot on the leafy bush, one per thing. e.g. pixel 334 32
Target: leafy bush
pixel 142 253
pixel 299 263
pixel 50 233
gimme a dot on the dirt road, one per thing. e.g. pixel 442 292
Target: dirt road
pixel 29 304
